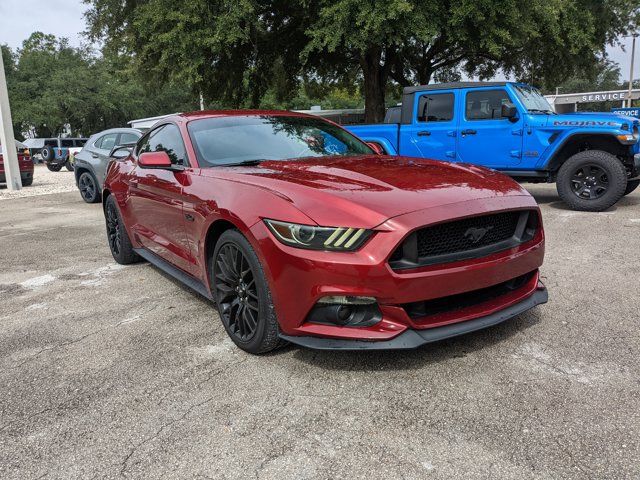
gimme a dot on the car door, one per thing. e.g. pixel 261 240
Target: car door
pixel 484 136
pixel 432 133
pixel 156 198
pixel 99 151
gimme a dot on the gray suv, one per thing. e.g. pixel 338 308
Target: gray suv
pixel 91 163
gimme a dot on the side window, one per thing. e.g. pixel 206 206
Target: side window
pixel 485 104
pixel 107 142
pixel 52 142
pixel 437 107
pixel 126 138
pixel 166 139
pixel 67 143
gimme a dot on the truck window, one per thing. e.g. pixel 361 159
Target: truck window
pixel 485 104
pixel 435 107
pixel 67 143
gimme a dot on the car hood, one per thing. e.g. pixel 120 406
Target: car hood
pixel 367 190
pixel 590 119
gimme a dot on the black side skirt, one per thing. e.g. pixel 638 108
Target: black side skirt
pixel 415 338
pixel 189 280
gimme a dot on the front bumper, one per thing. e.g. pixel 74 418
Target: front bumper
pixel 299 278
pixel 411 339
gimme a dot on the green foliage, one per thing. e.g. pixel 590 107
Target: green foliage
pixel 52 84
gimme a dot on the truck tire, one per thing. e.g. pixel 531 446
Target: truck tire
pixel 47 154
pixel 69 165
pixel 591 181
pixel 54 167
pixel 631 186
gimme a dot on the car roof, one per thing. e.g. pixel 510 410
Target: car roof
pixel 234 113
pixel 452 86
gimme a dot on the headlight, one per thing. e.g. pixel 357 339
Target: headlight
pixel 342 239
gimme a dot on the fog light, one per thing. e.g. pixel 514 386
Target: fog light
pixel 346 300
pixel 346 311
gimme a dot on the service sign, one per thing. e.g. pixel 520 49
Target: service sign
pixel 629 112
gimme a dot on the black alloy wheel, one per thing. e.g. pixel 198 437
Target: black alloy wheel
pixel 114 235
pixel 88 188
pixel 236 292
pixel 589 181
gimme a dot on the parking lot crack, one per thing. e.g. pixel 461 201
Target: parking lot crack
pixel 125 462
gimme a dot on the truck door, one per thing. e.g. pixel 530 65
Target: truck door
pixel 432 132
pixel 484 136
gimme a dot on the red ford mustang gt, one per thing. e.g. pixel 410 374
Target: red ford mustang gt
pixel 300 232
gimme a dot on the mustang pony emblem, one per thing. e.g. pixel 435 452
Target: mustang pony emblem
pixel 474 235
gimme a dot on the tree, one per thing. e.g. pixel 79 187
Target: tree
pixel 52 85
pixel 238 52
pixel 411 41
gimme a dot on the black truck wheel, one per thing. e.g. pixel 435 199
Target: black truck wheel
pixel 631 186
pixel 47 154
pixel 69 165
pixel 591 181
pixel 242 295
pixel 54 167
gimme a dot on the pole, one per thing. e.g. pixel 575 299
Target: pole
pixel 9 154
pixel 201 101
pixel 633 54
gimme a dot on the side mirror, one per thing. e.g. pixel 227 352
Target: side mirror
pixel 509 111
pixel 375 147
pixel 155 160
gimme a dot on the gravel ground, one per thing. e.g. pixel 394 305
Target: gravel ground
pixel 44 182
pixel 109 371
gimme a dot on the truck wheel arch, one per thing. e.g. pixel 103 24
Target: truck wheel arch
pixel 585 141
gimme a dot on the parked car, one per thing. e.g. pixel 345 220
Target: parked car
pixel 24 163
pixel 299 232
pixel 91 162
pixel 510 127
pixel 55 152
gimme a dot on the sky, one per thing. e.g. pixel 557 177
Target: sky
pixel 19 18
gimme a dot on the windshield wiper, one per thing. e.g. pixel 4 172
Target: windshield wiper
pixel 243 163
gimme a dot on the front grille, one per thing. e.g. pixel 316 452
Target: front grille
pixel 461 301
pixel 467 238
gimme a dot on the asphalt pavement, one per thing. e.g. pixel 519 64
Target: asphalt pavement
pixel 120 372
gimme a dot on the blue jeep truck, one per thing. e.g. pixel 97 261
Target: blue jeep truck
pixel 592 157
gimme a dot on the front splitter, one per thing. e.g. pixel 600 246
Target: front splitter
pixel 411 339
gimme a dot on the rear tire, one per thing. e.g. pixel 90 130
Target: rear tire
pixel 119 242
pixel 54 167
pixel 242 295
pixel 88 187
pixel 631 186
pixel 591 181
pixel 27 182
pixel 69 165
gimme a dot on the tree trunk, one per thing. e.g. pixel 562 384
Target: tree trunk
pixel 374 85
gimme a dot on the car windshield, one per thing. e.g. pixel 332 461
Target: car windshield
pixel 533 100
pixel 244 139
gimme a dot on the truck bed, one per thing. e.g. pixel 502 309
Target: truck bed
pixel 385 134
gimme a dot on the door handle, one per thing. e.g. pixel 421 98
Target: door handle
pixel 95 155
pixel 468 132
pixel 424 133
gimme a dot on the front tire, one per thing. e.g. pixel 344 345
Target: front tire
pixel 119 242
pixel 631 186
pixel 591 181
pixel 69 165
pixel 88 187
pixel 242 295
